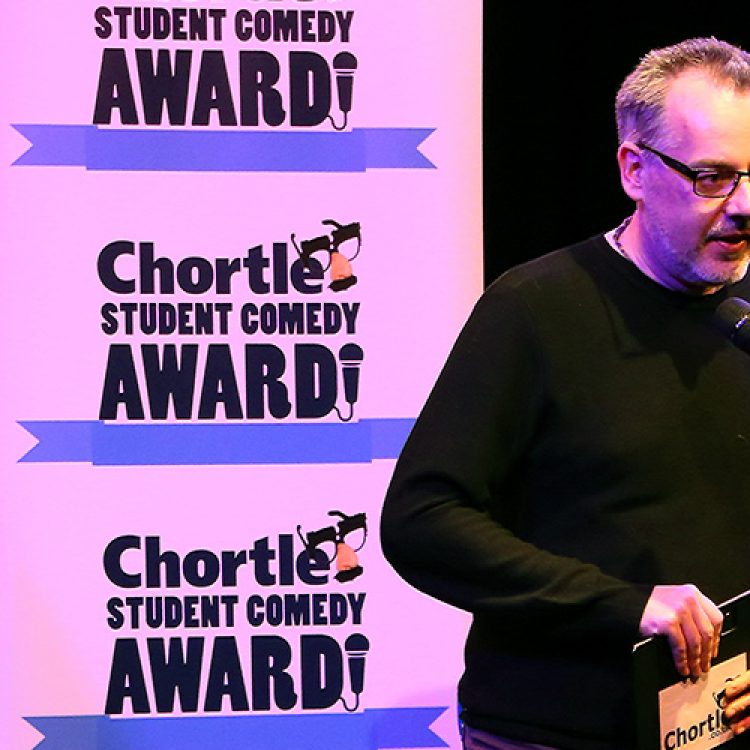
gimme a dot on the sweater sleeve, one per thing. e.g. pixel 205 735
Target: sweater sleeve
pixel 441 526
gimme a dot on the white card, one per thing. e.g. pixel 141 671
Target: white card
pixel 690 712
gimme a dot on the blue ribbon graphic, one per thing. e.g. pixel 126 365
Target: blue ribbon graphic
pixel 370 730
pixel 115 444
pixel 223 151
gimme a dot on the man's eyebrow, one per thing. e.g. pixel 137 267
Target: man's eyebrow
pixel 715 164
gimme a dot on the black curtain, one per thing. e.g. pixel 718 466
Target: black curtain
pixel 551 73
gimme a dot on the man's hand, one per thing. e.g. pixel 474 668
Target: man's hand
pixel 737 703
pixel 691 622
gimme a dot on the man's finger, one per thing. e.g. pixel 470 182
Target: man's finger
pixel 716 618
pixel 703 613
pixel 679 646
pixel 737 686
pixel 736 713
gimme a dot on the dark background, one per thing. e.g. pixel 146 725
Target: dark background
pixel 550 78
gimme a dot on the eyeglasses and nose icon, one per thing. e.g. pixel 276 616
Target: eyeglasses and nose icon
pixel 340 543
pixel 342 275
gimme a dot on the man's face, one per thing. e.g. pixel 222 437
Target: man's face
pixel 692 243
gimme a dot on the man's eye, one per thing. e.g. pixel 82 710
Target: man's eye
pixel 716 178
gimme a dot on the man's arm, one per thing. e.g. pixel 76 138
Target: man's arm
pixel 443 525
pixel 439 531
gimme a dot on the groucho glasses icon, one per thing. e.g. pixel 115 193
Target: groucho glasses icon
pixel 348 235
pixel 340 543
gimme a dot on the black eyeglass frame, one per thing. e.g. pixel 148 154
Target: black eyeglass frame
pixel 693 174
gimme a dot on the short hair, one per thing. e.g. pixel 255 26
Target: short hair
pixel 640 101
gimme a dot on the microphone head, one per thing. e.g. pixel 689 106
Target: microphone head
pixel 356 642
pixel 351 353
pixel 345 61
pixel 731 317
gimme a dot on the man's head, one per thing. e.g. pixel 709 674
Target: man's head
pixel 683 110
pixel 640 102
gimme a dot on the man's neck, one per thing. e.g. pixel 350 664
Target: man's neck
pixel 628 240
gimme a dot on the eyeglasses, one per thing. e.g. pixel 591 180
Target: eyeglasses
pixel 708 182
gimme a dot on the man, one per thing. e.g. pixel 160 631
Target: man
pixel 579 478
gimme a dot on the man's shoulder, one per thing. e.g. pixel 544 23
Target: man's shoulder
pixel 565 270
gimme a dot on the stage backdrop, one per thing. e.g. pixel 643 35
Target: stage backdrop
pixel 239 238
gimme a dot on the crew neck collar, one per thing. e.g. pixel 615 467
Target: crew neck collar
pixel 627 268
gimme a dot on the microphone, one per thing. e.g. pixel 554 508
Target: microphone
pixel 731 318
pixel 351 355
pixel 344 64
pixel 356 647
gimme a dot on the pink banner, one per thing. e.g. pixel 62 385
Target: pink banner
pixel 239 240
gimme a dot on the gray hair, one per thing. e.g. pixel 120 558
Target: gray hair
pixel 640 101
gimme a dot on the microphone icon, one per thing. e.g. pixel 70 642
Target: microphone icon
pixel 344 64
pixel 351 355
pixel 356 647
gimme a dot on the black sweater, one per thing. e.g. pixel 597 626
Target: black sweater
pixel 588 438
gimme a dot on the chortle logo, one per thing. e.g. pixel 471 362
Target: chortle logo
pixel 277 648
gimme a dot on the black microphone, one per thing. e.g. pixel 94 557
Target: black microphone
pixel 351 355
pixel 356 647
pixel 344 64
pixel 731 317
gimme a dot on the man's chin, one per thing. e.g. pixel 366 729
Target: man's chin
pixel 722 273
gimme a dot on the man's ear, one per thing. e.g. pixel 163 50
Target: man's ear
pixel 630 160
